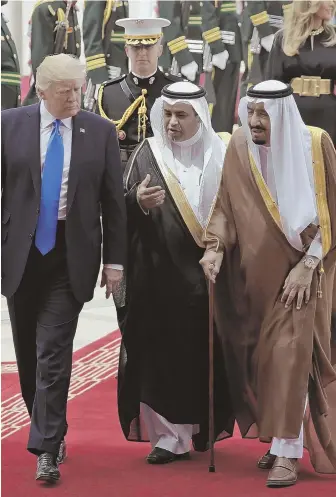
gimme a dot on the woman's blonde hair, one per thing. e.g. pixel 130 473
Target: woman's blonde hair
pixel 299 22
pixel 56 68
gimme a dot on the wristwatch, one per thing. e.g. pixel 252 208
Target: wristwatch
pixel 309 263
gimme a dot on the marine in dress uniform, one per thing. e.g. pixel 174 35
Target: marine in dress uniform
pixel 127 100
pixel 104 44
pixel 45 17
pixel 10 68
pixel 267 18
pixel 221 34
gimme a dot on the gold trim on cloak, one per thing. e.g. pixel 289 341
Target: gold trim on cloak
pixel 180 199
pixel 320 190
pixel 265 192
pixel 321 187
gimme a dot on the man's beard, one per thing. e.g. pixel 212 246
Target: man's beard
pixel 258 141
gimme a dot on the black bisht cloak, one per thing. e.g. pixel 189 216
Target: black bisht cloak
pixel 164 357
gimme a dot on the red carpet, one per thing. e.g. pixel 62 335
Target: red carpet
pixel 102 464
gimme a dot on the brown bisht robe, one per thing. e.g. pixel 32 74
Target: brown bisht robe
pixel 164 352
pixel 273 354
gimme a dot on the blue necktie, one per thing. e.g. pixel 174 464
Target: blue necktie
pixel 45 237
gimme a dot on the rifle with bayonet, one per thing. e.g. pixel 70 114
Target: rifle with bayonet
pixel 61 30
pixel 184 13
pixel 208 70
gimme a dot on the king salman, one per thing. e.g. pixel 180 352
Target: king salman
pixel 171 184
pixel 271 252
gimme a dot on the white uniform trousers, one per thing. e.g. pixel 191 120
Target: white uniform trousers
pixel 166 435
pixel 292 448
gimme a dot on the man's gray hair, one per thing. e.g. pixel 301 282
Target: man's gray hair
pixel 60 67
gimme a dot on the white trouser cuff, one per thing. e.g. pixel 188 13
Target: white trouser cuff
pixel 286 447
pixel 166 435
pixel 292 448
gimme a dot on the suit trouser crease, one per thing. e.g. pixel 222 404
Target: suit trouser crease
pixel 44 316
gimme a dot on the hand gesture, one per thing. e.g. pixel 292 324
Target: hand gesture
pixel 297 283
pixel 211 264
pixel 110 277
pixel 151 197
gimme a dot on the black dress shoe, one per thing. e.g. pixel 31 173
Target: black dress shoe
pixel 266 461
pixel 47 469
pixel 62 453
pixel 163 456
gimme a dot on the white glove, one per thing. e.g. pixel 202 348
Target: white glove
pixel 190 70
pixel 267 42
pixel 220 59
pixel 114 72
pixel 96 92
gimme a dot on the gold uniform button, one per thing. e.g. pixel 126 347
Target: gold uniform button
pixel 8 37
pixel 14 55
pixel 77 45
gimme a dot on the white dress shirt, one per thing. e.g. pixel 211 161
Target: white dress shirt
pixel 46 126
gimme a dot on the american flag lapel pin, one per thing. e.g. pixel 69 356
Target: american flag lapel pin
pixel 81 130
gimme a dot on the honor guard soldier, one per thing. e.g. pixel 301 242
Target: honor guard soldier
pixel 222 57
pixel 176 57
pixel 267 18
pixel 191 26
pixel 127 100
pixel 10 69
pixel 246 29
pixel 45 19
pixel 104 44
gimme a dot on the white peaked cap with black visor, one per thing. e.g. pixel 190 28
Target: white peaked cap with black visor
pixel 147 31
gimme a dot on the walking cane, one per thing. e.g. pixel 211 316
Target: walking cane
pixel 211 379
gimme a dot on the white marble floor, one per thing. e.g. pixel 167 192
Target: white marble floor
pixel 97 319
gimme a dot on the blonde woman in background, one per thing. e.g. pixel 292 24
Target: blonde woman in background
pixel 304 54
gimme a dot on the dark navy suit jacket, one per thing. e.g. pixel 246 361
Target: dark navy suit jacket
pixel 95 192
